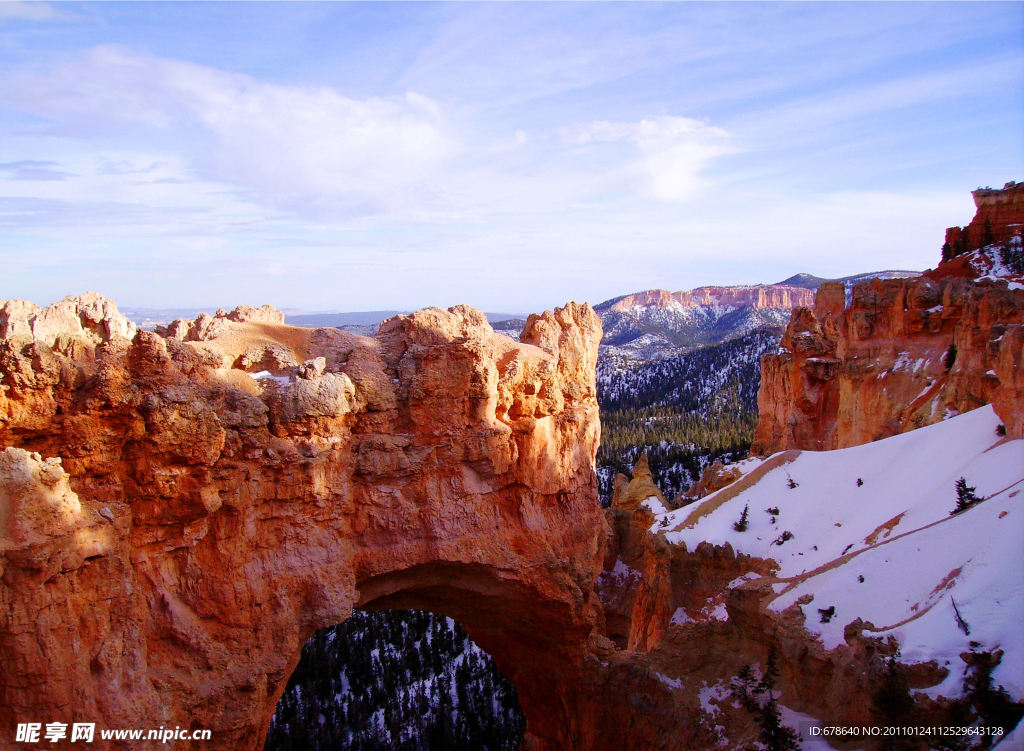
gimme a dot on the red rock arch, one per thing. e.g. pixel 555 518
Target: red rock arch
pixel 184 529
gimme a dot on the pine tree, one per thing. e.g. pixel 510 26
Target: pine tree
pixel 964 242
pixel 741 525
pixel 965 497
pixel 1012 257
pixel 774 735
pixel 893 706
pixel 994 706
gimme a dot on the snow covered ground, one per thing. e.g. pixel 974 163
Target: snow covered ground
pixel 867 531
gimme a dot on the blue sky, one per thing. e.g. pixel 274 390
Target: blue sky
pixel 366 156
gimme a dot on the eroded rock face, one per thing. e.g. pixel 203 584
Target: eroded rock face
pixel 999 216
pixel 180 512
pixel 905 353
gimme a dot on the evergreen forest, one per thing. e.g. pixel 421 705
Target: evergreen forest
pixel 685 411
pixel 396 680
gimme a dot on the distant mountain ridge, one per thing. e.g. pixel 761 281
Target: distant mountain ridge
pixel 811 282
pixel 655 323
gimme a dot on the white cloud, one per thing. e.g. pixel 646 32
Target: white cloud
pixel 315 152
pixel 285 145
pixel 671 151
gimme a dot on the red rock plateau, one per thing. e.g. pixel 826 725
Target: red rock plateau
pixel 759 296
pixel 905 353
pixel 1000 214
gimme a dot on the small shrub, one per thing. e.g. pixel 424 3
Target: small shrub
pixel 860 578
pixel 774 510
pixel 784 537
pixel 1001 430
pixel 827 613
pixel 792 483
pixel 860 482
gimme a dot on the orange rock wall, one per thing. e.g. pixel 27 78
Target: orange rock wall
pixel 1003 210
pixel 853 375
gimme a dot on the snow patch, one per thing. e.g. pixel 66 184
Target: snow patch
pixel 266 375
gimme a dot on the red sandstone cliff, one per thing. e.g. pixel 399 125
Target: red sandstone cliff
pixel 906 353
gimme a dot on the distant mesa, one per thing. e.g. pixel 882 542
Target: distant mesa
pixel 337 320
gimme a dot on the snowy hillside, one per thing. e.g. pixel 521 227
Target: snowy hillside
pixel 867 532
pixel 996 262
pixel 648 332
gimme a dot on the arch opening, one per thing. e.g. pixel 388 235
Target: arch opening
pixel 403 680
pixel 516 642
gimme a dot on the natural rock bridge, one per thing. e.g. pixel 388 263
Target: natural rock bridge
pixel 173 529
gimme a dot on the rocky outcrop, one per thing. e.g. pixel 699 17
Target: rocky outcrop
pixel 905 353
pixel 85 320
pixel 756 296
pixel 999 216
pixel 181 512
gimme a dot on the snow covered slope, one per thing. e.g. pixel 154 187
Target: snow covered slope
pixel 867 531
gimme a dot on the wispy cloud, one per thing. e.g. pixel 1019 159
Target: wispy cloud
pixel 287 145
pixel 29 169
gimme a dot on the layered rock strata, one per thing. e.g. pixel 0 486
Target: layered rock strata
pixel 180 512
pixel 905 353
